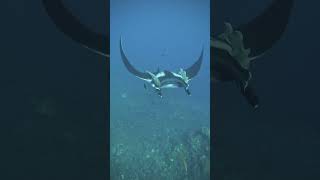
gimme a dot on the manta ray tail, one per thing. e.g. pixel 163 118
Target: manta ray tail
pixel 250 95
pixel 67 23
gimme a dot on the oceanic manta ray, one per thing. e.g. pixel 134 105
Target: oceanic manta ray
pixel 67 23
pixel 234 50
pixel 164 79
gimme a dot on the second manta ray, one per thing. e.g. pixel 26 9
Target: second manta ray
pixel 164 79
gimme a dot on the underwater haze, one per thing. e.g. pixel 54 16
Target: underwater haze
pixel 153 137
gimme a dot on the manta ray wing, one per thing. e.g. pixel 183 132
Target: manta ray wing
pixel 130 68
pixel 67 23
pixel 262 32
pixel 194 69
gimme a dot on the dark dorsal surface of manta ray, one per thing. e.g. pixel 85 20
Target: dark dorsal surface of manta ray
pixel 234 50
pixel 164 79
pixel 70 25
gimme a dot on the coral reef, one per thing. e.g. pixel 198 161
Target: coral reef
pixel 178 155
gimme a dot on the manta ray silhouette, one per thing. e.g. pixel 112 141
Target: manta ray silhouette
pixel 231 51
pixel 234 50
pixel 164 79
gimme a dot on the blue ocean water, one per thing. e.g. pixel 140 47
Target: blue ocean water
pixel 157 34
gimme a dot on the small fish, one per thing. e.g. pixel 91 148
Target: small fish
pixel 165 52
